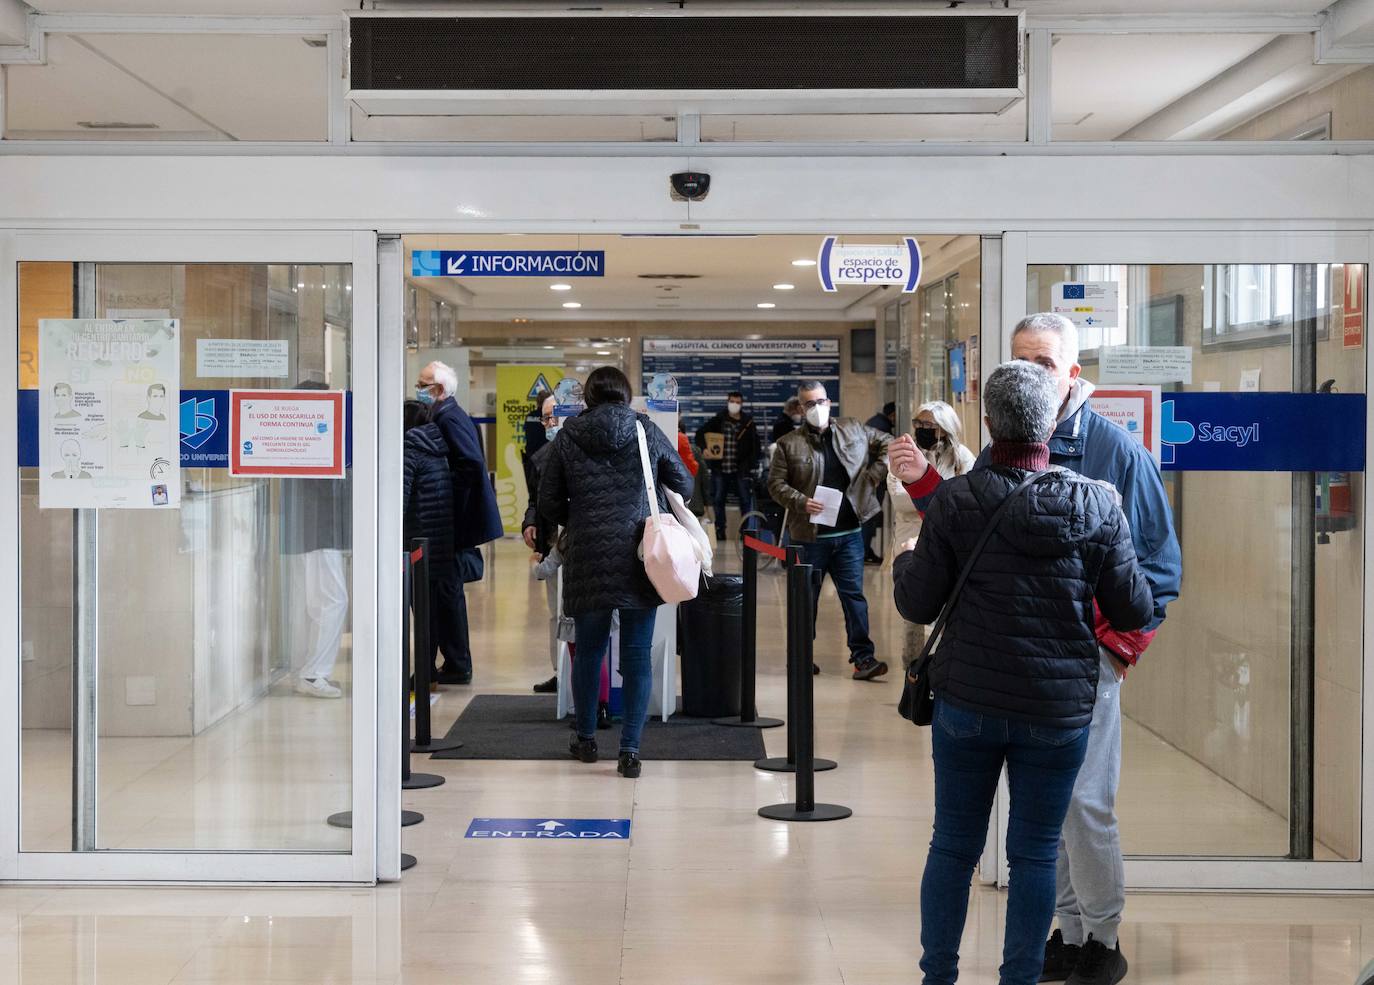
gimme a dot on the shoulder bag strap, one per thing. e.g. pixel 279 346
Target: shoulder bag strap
pixel 918 667
pixel 648 473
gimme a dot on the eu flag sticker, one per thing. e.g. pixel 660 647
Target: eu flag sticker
pixel 1073 292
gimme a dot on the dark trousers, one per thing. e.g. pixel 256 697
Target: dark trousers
pixel 448 624
pixel 723 484
pixel 874 523
pixel 1042 763
pixel 842 558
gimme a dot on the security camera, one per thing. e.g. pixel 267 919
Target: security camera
pixel 690 186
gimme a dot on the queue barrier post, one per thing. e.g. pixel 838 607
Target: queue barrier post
pixel 797 633
pixel 424 654
pixel 799 625
pixel 748 716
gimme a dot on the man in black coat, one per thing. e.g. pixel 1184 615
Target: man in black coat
pixel 732 472
pixel 538 531
pixel 886 421
pixel 477 520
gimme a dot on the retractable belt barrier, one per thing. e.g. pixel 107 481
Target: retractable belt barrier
pixel 801 690
pixel 748 716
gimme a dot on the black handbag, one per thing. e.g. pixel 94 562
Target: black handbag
pixel 918 700
pixel 470 565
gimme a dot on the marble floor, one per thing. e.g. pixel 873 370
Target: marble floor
pixel 704 892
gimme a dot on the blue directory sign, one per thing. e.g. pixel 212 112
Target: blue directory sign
pixel 766 371
pixel 1262 432
pixel 508 263
pixel 552 829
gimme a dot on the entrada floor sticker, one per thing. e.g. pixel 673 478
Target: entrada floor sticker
pixel 564 828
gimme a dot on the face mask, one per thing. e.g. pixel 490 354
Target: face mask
pixel 796 420
pixel 927 438
pixel 423 395
pixel 734 408
pixel 552 432
pixel 819 416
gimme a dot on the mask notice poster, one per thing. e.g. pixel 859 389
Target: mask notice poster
pixel 107 414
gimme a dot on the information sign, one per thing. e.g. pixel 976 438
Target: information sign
pixel 287 433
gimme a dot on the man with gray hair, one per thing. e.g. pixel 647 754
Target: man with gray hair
pixel 1091 878
pixel 474 506
pixel 846 458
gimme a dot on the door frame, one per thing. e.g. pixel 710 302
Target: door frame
pixel 370 579
pixel 1153 245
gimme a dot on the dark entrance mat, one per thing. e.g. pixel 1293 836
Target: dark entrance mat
pixel 522 726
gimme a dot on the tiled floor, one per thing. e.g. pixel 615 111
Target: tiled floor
pixel 705 892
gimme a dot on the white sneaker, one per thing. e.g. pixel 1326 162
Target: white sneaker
pixel 317 688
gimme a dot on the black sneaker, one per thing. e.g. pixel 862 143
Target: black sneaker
pixel 1060 958
pixel 603 716
pixel 869 668
pixel 446 676
pixel 629 765
pixel 1098 966
pixel 547 687
pixel 582 749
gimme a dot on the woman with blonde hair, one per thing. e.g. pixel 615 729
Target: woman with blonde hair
pixel 938 433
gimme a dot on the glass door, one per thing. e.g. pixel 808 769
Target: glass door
pixel 192 631
pixel 1243 726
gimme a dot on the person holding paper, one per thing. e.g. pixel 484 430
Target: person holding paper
pixel 826 475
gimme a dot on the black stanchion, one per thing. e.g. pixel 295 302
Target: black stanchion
pixel 795 635
pixel 799 624
pixel 424 654
pixel 748 716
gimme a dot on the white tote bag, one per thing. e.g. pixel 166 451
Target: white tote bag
pixel 669 554
pixel 705 552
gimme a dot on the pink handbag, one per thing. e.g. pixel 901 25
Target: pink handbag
pixel 670 558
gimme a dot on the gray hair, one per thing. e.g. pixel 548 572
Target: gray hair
pixel 1021 401
pixel 811 385
pixel 1052 324
pixel 945 418
pixel 445 376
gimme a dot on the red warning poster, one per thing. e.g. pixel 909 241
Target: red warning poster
pixel 1353 322
pixel 286 433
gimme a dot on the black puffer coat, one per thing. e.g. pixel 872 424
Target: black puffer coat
pixel 428 492
pixel 1020 642
pixel 593 484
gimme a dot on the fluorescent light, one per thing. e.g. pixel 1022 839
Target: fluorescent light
pixel 784 287
pixel 560 287
pixel 572 304
pixel 603 352
pixel 548 347
pixel 803 263
pixel 766 304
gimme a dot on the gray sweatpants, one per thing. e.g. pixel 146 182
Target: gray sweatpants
pixel 1091 881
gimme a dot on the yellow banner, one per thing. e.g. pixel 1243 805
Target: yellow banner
pixel 516 387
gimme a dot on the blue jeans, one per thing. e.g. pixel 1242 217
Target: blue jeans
pixel 1042 763
pixel 722 485
pixel 593 634
pixel 842 558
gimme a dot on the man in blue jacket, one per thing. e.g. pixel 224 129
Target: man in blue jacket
pixel 477 518
pixel 1091 882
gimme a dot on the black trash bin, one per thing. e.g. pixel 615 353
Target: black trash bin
pixel 711 629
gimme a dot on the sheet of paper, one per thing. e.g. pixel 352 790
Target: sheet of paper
pixel 830 499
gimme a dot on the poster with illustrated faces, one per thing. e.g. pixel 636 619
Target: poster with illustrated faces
pixel 107 409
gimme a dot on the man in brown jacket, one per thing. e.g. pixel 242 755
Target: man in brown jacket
pixel 848 458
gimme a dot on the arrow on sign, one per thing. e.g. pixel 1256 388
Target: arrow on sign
pixel 455 264
pixel 550 825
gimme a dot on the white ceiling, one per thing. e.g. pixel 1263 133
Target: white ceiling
pixel 735 274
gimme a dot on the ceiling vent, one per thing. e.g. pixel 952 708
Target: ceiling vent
pixel 597 64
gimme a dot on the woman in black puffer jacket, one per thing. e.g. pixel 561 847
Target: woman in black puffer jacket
pixel 427 492
pixel 1015 675
pixel 593 484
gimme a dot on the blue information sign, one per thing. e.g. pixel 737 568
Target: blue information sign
pixel 508 263
pixel 1262 432
pixel 559 828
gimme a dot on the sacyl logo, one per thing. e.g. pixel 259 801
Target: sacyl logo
pixel 1173 431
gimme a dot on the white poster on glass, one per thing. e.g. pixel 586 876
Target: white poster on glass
pixel 107 407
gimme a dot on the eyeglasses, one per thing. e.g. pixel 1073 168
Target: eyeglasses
pixel 546 419
pixel 822 402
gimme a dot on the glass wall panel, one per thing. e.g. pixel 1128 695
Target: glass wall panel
pixel 1207 713
pixel 224 632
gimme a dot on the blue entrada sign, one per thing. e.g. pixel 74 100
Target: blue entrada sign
pixel 508 263
pixel 560 828
pixel 1262 432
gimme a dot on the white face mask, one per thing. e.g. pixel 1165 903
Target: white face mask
pixel 819 416
pixel 734 408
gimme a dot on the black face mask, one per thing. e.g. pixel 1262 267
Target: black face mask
pixel 927 438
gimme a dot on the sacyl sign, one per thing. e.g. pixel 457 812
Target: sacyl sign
pixel 1262 432
pixel 870 265
pixel 556 829
pixel 508 263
